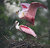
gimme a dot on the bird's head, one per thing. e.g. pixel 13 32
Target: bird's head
pixel 16 24
pixel 22 13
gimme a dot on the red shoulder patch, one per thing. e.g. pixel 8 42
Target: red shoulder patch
pixel 24 26
pixel 24 6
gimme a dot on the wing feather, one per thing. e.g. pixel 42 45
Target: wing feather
pixel 25 5
pixel 28 30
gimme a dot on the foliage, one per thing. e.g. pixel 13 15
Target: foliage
pixel 6 35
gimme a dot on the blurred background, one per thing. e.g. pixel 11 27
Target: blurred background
pixel 8 17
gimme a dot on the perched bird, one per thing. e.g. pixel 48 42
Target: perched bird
pixel 28 11
pixel 25 29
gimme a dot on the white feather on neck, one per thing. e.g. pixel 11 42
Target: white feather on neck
pixel 22 13
pixel 17 26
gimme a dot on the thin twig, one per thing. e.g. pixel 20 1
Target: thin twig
pixel 5 37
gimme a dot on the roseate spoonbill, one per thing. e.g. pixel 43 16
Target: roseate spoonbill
pixel 29 11
pixel 25 29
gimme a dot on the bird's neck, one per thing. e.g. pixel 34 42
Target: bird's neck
pixel 17 26
pixel 21 14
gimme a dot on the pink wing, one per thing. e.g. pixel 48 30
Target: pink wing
pixel 28 30
pixel 25 5
pixel 33 8
pixel 38 4
pixel 32 11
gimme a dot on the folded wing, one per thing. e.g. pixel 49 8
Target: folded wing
pixel 28 30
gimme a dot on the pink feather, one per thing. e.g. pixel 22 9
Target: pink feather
pixel 28 30
pixel 31 10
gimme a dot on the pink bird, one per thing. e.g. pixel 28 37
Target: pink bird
pixel 25 29
pixel 29 11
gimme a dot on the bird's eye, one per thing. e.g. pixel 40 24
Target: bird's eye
pixel 16 22
pixel 18 10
